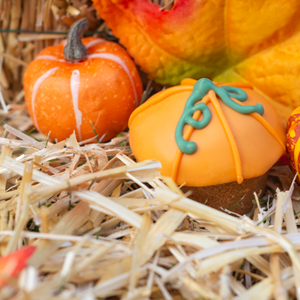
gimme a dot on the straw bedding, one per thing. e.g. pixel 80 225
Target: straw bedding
pixel 107 227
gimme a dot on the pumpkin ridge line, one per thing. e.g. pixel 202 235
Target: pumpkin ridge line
pixel 74 85
pixel 229 135
pixel 268 127
pixel 265 124
pixel 94 42
pixel 159 98
pixel 186 135
pixel 35 89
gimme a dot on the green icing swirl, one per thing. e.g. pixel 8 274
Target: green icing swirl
pixel 201 88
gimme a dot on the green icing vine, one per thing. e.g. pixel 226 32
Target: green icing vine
pixel 201 88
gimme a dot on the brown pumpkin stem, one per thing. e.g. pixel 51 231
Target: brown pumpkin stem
pixel 74 50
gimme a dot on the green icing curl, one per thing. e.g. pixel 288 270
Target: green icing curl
pixel 201 88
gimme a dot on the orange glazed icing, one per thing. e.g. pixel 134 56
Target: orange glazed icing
pixel 232 147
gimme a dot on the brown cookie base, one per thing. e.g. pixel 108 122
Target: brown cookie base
pixel 228 194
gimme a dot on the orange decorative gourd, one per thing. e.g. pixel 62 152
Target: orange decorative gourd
pixel 293 141
pixel 81 85
pixel 230 146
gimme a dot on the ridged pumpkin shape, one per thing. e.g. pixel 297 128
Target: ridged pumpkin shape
pixel 100 91
pixel 232 147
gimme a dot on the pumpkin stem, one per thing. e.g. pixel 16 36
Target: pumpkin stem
pixel 74 50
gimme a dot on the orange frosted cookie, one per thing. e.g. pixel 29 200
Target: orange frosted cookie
pixel 210 135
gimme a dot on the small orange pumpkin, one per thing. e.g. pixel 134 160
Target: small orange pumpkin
pixel 82 85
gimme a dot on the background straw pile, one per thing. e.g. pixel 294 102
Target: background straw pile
pixel 106 227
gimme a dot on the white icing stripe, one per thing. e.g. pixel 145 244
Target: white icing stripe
pixel 50 57
pixel 94 42
pixel 122 64
pixel 35 90
pixel 75 83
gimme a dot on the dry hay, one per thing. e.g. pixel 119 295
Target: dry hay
pixel 106 227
